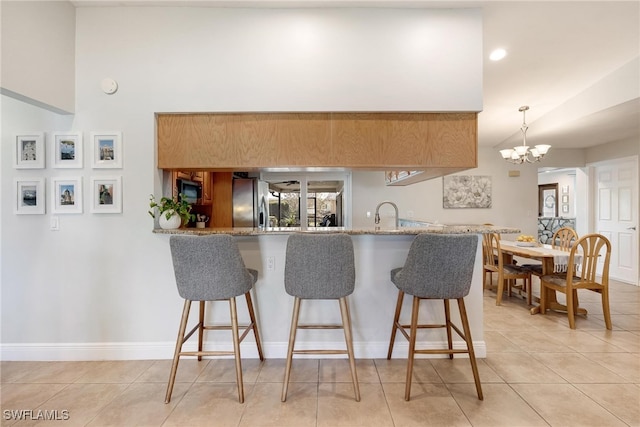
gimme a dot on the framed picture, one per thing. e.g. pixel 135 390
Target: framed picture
pixel 107 149
pixel 565 208
pixel 565 198
pixel 565 189
pixel 66 195
pixel 29 151
pixel 67 150
pixel 29 196
pixel 466 191
pixel 106 194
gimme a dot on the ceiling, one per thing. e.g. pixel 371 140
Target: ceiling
pixel 574 63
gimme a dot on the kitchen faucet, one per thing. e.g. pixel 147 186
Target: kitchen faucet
pixel 377 216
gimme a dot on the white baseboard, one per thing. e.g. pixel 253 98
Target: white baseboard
pixel 164 350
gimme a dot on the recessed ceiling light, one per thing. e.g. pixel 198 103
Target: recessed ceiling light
pixel 498 54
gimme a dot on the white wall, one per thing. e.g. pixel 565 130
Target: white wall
pixel 190 59
pixel 613 150
pixel 514 200
pixel 38 53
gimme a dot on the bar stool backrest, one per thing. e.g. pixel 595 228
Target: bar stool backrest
pixel 438 266
pixel 319 266
pixel 209 268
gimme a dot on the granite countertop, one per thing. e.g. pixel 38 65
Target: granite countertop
pixel 441 229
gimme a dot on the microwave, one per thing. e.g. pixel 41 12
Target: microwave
pixel 190 190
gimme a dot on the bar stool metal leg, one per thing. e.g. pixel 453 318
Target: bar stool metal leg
pixel 469 341
pixel 176 354
pixel 447 317
pixel 254 324
pixel 395 327
pixel 292 340
pixel 236 347
pixel 412 346
pixel 200 328
pixel 348 336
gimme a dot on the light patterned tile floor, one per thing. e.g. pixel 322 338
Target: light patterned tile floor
pixel 537 372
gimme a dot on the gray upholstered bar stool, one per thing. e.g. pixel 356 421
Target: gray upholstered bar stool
pixel 320 266
pixel 438 266
pixel 210 268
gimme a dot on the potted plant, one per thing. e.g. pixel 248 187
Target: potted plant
pixel 172 211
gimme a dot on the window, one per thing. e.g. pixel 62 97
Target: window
pixel 326 194
pixel 284 204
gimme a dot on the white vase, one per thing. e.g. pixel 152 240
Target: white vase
pixel 172 223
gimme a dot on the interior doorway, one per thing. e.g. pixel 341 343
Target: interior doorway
pixel 548 200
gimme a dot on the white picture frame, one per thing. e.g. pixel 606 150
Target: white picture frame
pixel 29 150
pixel 106 194
pixel 67 150
pixel 66 195
pixel 29 196
pixel 106 150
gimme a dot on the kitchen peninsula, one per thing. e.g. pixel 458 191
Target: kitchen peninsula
pixel 372 304
pixel 217 144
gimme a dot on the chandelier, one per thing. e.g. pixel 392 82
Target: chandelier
pixel 520 154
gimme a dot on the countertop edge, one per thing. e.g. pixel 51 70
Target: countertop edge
pixel 448 229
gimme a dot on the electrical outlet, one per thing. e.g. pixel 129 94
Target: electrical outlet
pixel 271 263
pixel 368 214
pixel 55 223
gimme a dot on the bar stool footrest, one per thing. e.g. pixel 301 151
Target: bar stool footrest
pixel 324 351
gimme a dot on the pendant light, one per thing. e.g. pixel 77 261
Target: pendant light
pixel 521 153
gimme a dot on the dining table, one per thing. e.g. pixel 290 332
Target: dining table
pixel 554 261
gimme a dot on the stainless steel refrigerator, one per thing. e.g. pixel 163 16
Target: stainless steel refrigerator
pixel 250 202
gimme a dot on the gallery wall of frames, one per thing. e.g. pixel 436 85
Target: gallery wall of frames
pixel 65 150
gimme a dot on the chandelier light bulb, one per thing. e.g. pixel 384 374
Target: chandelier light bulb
pixel 506 153
pixel 542 149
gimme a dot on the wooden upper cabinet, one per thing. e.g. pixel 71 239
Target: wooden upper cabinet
pixel 372 141
pixel 357 139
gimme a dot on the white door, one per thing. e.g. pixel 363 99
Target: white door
pixel 616 215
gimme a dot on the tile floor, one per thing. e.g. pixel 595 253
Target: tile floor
pixel 537 372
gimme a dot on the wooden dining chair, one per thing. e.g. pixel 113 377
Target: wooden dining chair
pixel 592 248
pixel 563 239
pixel 508 274
pixel 486 271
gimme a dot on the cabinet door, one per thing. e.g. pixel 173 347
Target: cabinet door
pixel 207 188
pixel 222 210
pixel 182 175
pixel 174 178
